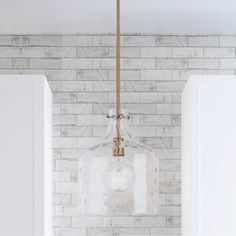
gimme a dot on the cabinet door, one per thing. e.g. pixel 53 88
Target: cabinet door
pixel 209 141
pixel 22 155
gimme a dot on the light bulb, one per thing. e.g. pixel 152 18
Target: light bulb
pixel 119 175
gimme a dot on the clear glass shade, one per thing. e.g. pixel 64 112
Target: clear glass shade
pixel 118 185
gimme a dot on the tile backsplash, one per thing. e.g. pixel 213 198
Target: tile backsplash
pixel 81 72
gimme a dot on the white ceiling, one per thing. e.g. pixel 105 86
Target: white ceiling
pixel 98 16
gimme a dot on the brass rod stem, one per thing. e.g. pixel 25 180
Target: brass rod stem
pixel 118 68
pixel 118 149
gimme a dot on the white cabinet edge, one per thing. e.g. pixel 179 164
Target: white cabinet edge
pixel 190 168
pixel 43 138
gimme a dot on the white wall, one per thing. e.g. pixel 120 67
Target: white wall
pixel 84 16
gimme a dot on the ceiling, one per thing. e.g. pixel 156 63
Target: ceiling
pixel 98 16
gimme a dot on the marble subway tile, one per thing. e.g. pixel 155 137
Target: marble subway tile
pixel 64 119
pixel 92 75
pixel 77 131
pixel 76 86
pixel 81 109
pixel 106 63
pixel 172 40
pixel 106 40
pixel 168 131
pixel 61 199
pixel 6 40
pixel 71 231
pixel 5 63
pixel 173 199
pixel 21 63
pixel 126 97
pixel 102 232
pixel 168 109
pixel 171 210
pixel 173 221
pixel 61 221
pixel 173 176
pixel 155 75
pixel 228 40
pixel 21 40
pixel 134 232
pixel 67 188
pixel 166 231
pixel 139 63
pixel 61 176
pixel 125 75
pixel 107 86
pixel 119 221
pixel 173 86
pixel 76 40
pixel 66 165
pixel 64 142
pixel 92 52
pixel 155 52
pixel 170 165
pixel 155 97
pixel 187 52
pixel 219 52
pixel 60 74
pixel 60 52
pixel 227 64
pixel 140 86
pixel 156 142
pixel 139 40
pixel 203 41
pixel 91 120
pixel 155 119
pixel 87 221
pixel 150 221
pixel 64 97
pixel 22 52
pixel 171 64
pixel 45 40
pixel 203 64
pixel 45 63
pixel 92 97
pixel 185 74
pixel 170 154
pixel 136 109
pixel 127 52
pixel 76 63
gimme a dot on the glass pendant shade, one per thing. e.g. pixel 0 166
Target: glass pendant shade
pixel 118 185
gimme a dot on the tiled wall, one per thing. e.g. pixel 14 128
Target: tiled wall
pixel 81 73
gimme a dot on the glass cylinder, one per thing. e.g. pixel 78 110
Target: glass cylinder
pixel 118 185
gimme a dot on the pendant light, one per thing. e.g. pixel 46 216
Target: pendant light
pixel 118 176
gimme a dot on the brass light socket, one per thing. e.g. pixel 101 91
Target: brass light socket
pixel 118 149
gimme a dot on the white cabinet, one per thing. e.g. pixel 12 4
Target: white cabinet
pixel 209 156
pixel 25 155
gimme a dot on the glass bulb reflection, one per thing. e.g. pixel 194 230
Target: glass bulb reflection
pixel 120 175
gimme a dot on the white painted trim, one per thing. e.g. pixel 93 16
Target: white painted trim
pixel 42 132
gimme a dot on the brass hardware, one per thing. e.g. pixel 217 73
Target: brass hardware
pixel 118 61
pixel 121 116
pixel 118 150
